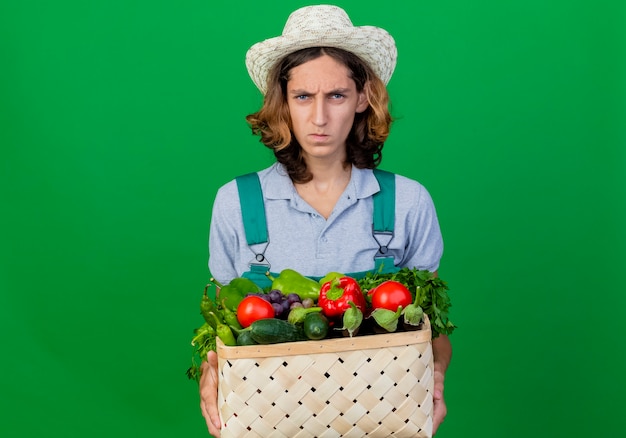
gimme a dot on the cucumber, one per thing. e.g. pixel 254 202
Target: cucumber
pixel 315 326
pixel 245 338
pixel 274 331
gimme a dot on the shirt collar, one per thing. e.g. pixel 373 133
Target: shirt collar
pixel 278 185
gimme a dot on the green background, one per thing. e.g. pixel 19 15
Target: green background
pixel 120 119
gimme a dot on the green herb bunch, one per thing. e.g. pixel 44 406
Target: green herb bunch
pixel 431 290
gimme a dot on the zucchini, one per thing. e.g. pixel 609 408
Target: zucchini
pixel 315 326
pixel 274 331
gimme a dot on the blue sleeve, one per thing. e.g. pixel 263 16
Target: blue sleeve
pixel 224 234
pixel 424 242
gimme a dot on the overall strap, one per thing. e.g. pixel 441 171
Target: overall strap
pixel 384 219
pixel 252 208
pixel 254 221
pixel 385 202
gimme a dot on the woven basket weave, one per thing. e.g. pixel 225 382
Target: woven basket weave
pixel 376 385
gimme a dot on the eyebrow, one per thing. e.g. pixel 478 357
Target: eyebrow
pixel 299 92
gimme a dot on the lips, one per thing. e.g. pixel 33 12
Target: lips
pixel 318 138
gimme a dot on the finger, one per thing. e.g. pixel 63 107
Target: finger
pixel 214 431
pixel 439 413
pixel 211 359
pixel 208 394
pixel 438 384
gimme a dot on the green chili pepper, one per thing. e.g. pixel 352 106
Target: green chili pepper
pixel 235 291
pixel 290 281
pixel 224 332
pixel 207 305
pixel 226 335
pixel 230 318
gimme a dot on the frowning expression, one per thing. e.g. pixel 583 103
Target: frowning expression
pixel 323 101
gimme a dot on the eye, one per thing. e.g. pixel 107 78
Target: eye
pixel 337 96
pixel 301 97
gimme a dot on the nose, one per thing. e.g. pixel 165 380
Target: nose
pixel 319 115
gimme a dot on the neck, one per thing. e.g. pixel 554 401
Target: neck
pixel 327 185
pixel 328 175
pixel 328 171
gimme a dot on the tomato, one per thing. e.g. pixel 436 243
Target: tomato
pixel 252 308
pixel 390 295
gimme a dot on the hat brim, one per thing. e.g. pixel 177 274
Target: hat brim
pixel 373 45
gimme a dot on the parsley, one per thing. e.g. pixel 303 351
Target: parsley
pixel 204 340
pixel 433 294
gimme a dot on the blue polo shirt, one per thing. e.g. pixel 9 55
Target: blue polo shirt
pixel 302 239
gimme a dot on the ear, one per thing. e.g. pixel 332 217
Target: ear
pixel 362 102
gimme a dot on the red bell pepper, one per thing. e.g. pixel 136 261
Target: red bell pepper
pixel 335 296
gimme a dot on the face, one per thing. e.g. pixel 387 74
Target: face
pixel 323 101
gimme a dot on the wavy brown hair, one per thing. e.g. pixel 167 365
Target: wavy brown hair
pixel 370 129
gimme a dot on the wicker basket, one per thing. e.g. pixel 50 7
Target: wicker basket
pixel 376 385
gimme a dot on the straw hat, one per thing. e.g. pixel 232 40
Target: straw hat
pixel 323 26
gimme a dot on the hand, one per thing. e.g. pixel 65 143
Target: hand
pixel 439 405
pixel 208 394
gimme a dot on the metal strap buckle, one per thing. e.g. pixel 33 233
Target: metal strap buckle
pixel 259 257
pixel 382 238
